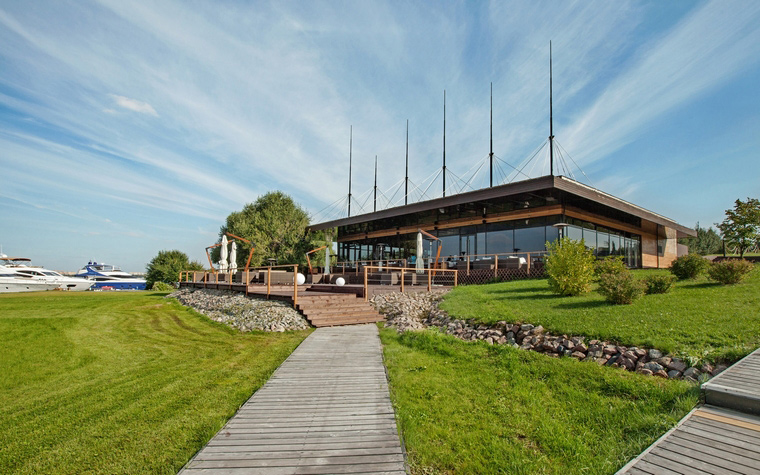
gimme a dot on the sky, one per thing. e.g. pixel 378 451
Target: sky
pixel 127 128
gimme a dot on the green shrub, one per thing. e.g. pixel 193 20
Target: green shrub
pixel 621 288
pixel 569 266
pixel 659 284
pixel 730 271
pixel 609 265
pixel 688 266
pixel 159 286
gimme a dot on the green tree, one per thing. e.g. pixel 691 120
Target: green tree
pixel 276 227
pixel 741 228
pixel 166 266
pixel 707 241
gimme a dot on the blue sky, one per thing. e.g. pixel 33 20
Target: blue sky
pixel 130 128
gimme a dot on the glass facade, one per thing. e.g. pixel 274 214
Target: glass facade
pixel 525 235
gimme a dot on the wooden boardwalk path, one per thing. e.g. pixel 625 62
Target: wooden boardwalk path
pixel 325 410
pixel 721 437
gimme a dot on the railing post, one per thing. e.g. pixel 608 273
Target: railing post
pixel 295 285
pixel 468 265
pixel 247 280
pixel 528 259
pixel 366 286
pixel 269 281
pixel 495 266
pixel 430 283
pixel 456 277
pixel 402 280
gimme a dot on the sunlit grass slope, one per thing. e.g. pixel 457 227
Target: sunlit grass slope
pixel 471 408
pixel 697 319
pixel 119 382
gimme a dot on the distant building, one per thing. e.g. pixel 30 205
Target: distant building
pixel 514 218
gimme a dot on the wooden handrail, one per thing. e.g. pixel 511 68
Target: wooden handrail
pixel 403 270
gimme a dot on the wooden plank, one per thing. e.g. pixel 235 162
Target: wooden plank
pixel 729 451
pixel 727 420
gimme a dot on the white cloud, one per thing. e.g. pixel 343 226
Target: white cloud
pixel 134 105
pixel 705 50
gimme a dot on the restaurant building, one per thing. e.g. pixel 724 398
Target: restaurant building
pixel 515 218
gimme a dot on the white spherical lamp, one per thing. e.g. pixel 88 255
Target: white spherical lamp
pixel 340 281
pixel 301 279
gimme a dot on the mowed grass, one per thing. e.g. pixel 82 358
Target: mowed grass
pixel 698 319
pixel 471 408
pixel 119 383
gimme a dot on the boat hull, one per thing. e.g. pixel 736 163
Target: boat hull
pixel 13 285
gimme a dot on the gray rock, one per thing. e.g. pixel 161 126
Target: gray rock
pixel 677 365
pixel 654 354
pixel 692 373
pixel 653 367
pixel 673 374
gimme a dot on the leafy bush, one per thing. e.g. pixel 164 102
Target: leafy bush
pixel 570 267
pixel 159 286
pixel 730 271
pixel 688 266
pixel 621 288
pixel 659 284
pixel 609 265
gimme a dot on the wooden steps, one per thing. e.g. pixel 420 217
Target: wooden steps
pixel 326 310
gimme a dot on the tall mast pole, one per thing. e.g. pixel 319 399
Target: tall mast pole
pixel 406 176
pixel 444 143
pixel 375 207
pixel 490 155
pixel 350 161
pixel 551 116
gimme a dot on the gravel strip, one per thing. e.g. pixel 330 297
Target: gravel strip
pixel 241 312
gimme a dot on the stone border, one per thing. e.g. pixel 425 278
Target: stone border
pixel 417 311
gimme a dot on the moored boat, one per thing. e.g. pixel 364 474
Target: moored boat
pixel 23 268
pixel 110 277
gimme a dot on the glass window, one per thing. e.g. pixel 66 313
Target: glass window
pixel 589 236
pixel 574 232
pixel 552 233
pixel 450 245
pixel 498 242
pixel 480 245
pixel 602 242
pixel 530 239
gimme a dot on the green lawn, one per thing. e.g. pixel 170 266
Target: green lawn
pixel 697 319
pixel 119 382
pixel 471 408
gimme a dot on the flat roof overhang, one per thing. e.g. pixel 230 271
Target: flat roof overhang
pixel 527 186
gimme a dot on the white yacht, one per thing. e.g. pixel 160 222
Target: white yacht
pixel 12 282
pixel 21 268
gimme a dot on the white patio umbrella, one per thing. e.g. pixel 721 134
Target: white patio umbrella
pixel 223 258
pixel 420 261
pixel 233 257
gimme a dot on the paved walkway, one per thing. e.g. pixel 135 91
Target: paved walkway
pixel 720 437
pixel 325 410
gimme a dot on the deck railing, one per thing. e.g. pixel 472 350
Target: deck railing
pixel 355 267
pixel 230 278
pixel 387 275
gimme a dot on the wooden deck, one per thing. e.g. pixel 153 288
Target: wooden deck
pixel 721 437
pixel 325 410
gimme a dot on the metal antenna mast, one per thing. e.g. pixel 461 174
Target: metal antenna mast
pixel 490 155
pixel 375 207
pixel 444 143
pixel 406 176
pixel 350 161
pixel 551 116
